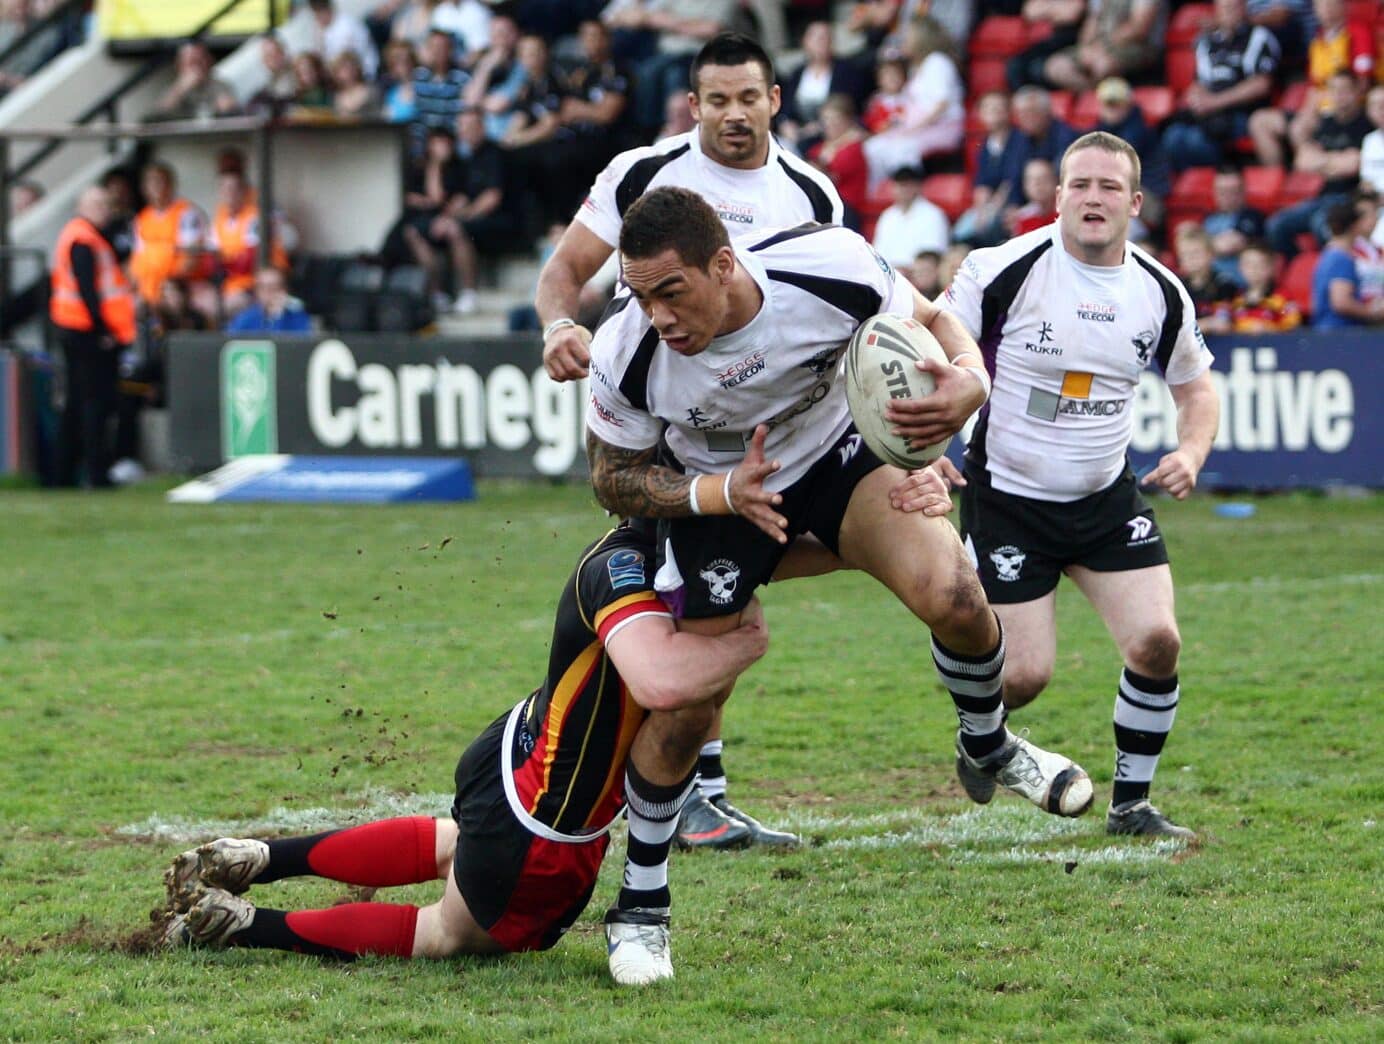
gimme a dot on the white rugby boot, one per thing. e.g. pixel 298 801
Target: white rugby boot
pixel 1051 781
pixel 638 946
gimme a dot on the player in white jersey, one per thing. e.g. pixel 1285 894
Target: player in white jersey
pixel 721 352
pixel 1068 317
pixel 733 161
pixel 731 158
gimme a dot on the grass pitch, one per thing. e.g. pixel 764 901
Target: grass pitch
pixel 168 674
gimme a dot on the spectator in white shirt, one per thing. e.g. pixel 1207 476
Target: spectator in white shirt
pixel 912 224
pixel 469 23
pixel 1372 154
pixel 934 116
pixel 335 32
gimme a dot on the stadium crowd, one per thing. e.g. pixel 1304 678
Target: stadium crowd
pixel 1260 124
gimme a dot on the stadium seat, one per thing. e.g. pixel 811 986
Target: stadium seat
pixel 1038 32
pixel 403 306
pixel 1296 284
pixel 1179 216
pixel 1186 25
pixel 1298 186
pixel 1192 190
pixel 999 36
pixel 951 192
pixel 1181 68
pixel 973 142
pixel 1062 102
pixel 987 74
pixel 1156 103
pixel 1263 187
pixel 1085 112
pixel 1294 94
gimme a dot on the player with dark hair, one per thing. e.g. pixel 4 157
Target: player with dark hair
pixel 732 160
pixel 617 724
pixel 719 364
pixel 1070 315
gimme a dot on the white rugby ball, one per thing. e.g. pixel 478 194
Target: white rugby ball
pixel 881 365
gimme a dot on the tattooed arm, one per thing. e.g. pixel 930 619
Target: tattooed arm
pixel 628 483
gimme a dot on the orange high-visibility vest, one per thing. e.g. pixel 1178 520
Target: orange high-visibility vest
pixel 158 257
pixel 66 307
pixel 237 247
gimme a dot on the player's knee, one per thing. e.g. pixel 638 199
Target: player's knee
pixel 1154 653
pixel 679 734
pixel 1023 684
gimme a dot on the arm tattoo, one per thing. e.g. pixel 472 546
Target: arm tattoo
pixel 629 483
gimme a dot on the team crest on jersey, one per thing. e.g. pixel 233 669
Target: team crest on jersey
pixel 742 370
pixel 721 576
pixel 822 362
pixel 1009 560
pixel 1143 346
pixel 626 569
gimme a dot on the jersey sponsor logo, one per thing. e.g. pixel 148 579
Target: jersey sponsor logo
pixel 588 204
pixel 626 569
pixel 721 576
pixel 1045 345
pixel 1096 313
pixel 600 374
pixel 1143 346
pixel 884 265
pixel 742 370
pixel 735 213
pixel 1074 400
pixel 606 413
pixel 1141 531
pixel 1009 561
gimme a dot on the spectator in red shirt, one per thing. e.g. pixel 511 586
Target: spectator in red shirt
pixel 1040 198
pixel 839 153
pixel 1259 309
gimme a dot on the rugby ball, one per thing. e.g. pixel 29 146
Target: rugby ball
pixel 881 365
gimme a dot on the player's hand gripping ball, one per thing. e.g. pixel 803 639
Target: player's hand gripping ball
pixel 881 365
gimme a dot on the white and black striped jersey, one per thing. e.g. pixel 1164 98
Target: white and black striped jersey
pixel 819 283
pixel 785 191
pixel 1065 344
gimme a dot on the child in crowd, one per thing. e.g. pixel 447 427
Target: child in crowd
pixel 1259 309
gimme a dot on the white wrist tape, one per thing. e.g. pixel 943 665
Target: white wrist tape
pixel 557 324
pixel 725 492
pixel 692 496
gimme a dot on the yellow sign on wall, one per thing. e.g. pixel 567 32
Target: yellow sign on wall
pixel 171 19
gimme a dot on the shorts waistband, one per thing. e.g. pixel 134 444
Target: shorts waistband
pixel 516 806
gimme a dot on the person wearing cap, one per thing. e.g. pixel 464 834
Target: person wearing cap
pixel 1119 114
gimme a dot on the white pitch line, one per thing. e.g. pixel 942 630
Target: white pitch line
pixel 972 835
pixel 1261 583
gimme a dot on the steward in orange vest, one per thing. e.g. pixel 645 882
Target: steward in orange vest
pixel 170 237
pixel 89 290
pixel 93 308
pixel 236 229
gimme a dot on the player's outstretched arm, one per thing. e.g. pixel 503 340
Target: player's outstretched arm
pixel 629 483
pixel 667 669
pixel 579 255
pixel 1198 417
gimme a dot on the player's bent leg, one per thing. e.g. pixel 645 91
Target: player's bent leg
pixel 923 562
pixel 1030 640
pixel 447 927
pixel 1137 606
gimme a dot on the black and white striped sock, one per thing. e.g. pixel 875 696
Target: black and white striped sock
pixel 711 774
pixel 975 684
pixel 653 820
pixel 1144 713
